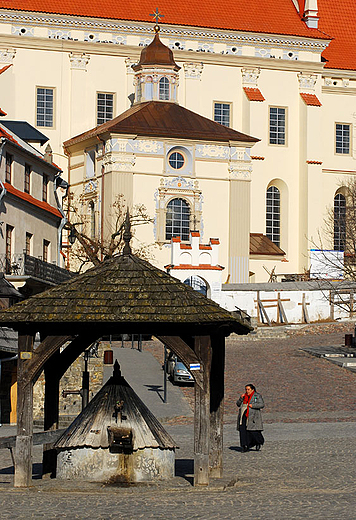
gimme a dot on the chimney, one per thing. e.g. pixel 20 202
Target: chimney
pixel 48 156
pixel 310 16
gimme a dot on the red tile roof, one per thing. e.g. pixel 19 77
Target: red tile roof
pixel 35 202
pixel 310 99
pixel 337 19
pixel 192 267
pixel 164 119
pixel 204 247
pixel 8 136
pixel 5 68
pixel 256 16
pixel 254 94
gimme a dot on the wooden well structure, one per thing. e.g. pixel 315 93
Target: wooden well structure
pixel 127 295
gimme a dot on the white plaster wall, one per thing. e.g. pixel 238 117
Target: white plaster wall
pixel 318 305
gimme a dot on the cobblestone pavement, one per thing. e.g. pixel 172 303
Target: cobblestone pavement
pixel 294 384
pixel 303 471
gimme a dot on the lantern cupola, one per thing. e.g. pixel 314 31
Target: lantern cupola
pixel 156 76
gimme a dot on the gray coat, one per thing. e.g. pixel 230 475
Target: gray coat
pixel 254 420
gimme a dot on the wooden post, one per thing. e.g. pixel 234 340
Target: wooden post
pixel 23 453
pixel 51 411
pixel 202 347
pixel 217 406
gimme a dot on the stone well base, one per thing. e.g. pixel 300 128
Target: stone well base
pixel 100 465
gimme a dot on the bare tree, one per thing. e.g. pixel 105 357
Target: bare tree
pixel 336 249
pixel 89 247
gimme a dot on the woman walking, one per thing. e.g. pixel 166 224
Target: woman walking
pixel 249 419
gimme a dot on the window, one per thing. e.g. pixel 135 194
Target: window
pixel 45 107
pixel 8 248
pixel 222 113
pixel 8 168
pixel 339 222
pixel 342 138
pixel 46 245
pixel 277 125
pixel 90 163
pixel 176 160
pixel 273 215
pixel 105 107
pixel 28 243
pixel 164 89
pixel 27 178
pixel 178 219
pixel 45 187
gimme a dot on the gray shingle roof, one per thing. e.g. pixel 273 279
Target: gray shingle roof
pixel 122 290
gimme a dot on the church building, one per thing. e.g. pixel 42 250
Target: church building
pixel 283 72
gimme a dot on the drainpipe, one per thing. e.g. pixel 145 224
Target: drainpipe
pixel 3 189
pixel 102 195
pixel 59 182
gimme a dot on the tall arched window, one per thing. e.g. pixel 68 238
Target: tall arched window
pixel 164 89
pixel 178 219
pixel 339 222
pixel 273 215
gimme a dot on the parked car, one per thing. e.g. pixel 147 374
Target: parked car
pixel 177 371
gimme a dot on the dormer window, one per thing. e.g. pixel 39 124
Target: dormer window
pixel 164 89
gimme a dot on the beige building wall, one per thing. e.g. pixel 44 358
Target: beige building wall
pixel 214 70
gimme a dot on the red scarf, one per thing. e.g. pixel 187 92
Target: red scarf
pixel 247 400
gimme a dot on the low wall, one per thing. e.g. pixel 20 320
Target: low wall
pixel 299 301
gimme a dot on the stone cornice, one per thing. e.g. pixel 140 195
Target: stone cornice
pixel 344 91
pixel 145 28
pixel 133 52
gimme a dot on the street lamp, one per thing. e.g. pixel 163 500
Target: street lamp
pixel 72 235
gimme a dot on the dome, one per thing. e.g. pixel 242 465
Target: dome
pixel 156 54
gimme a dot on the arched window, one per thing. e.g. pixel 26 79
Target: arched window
pixel 273 215
pixel 164 89
pixel 178 219
pixel 197 283
pixel 339 222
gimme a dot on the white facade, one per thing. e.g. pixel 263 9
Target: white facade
pixel 77 58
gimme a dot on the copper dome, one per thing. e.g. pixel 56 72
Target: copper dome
pixel 156 54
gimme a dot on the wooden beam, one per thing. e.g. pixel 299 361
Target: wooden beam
pixel 54 369
pixel 217 405
pixel 23 453
pixel 202 347
pixel 51 411
pixel 42 354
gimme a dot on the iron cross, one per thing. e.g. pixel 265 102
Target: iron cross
pixel 156 15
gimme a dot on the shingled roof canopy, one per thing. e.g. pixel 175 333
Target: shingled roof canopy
pixel 164 119
pixel 125 294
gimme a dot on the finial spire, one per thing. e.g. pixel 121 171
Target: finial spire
pixel 127 234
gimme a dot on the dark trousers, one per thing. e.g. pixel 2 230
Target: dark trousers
pixel 249 438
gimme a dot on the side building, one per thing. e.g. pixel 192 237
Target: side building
pixel 30 210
